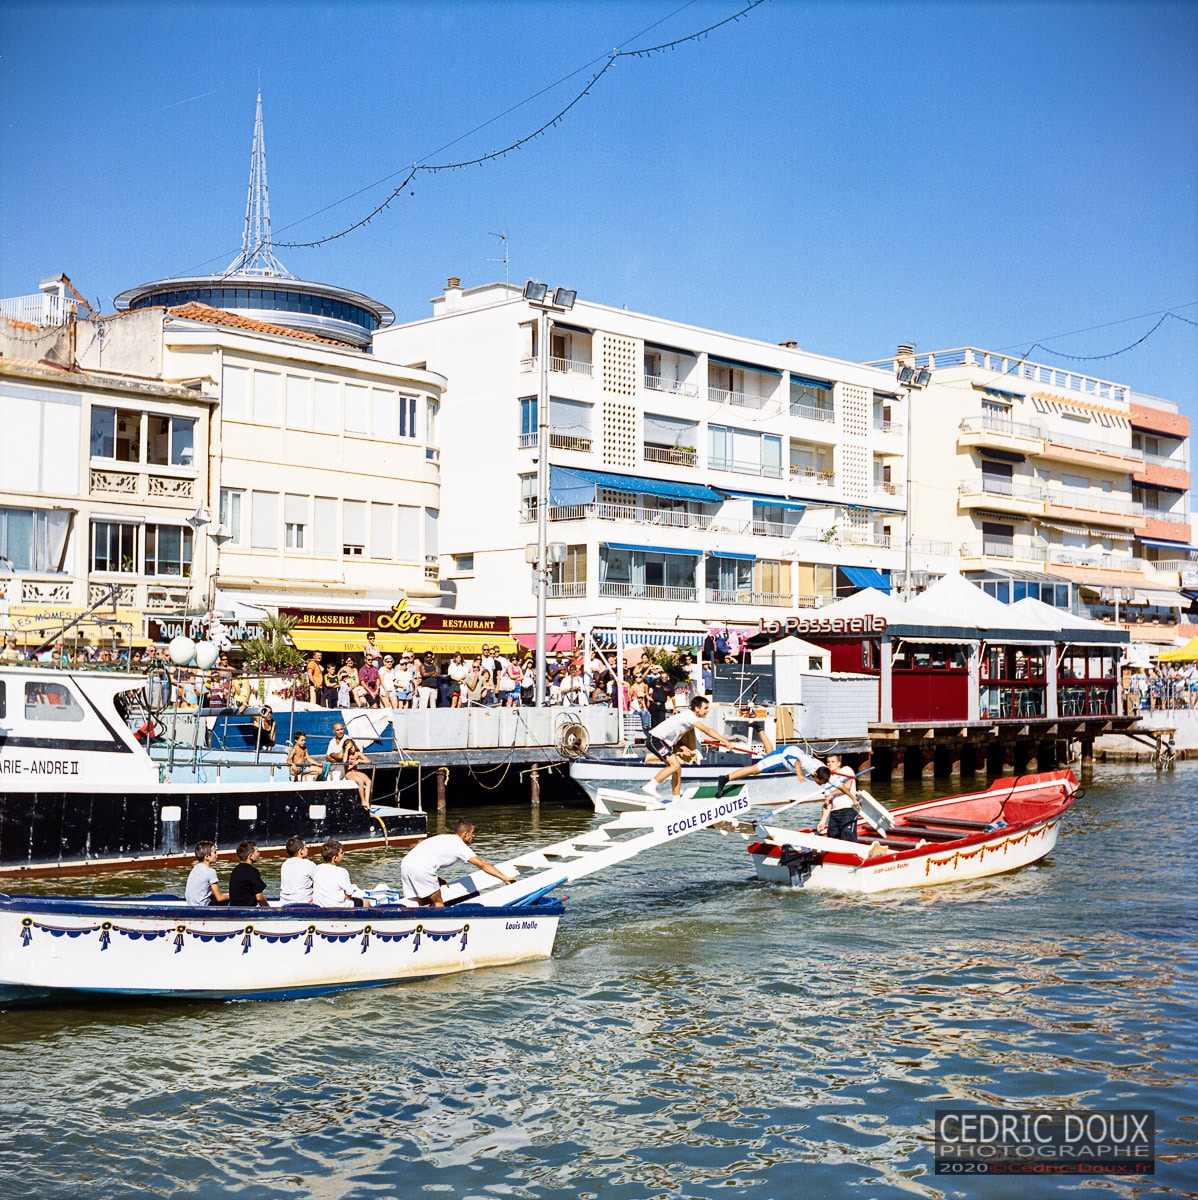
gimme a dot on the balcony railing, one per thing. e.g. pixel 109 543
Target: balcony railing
pixel 574 590
pixel 728 595
pixel 868 537
pixel 670 456
pixel 921 546
pixel 604 511
pixel 1164 460
pixel 1000 487
pixel 649 591
pixel 1093 558
pixel 742 467
pixel 888 489
pixel 888 427
pixel 558 441
pixel 1095 501
pixel 988 423
pixel 740 399
pixel 1091 444
pixel 672 387
pixel 145 482
pixel 813 412
pixel 1008 550
pixel 774 529
pixel 45 309
pixel 817 475
pixel 559 366
pixel 1017 368
pixel 1161 514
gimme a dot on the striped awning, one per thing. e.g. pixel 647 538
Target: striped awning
pixel 649 637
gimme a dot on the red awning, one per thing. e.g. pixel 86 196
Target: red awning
pixel 555 643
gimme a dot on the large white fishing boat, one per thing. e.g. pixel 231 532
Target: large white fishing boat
pixel 78 791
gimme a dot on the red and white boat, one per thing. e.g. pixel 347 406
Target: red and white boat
pixel 1012 823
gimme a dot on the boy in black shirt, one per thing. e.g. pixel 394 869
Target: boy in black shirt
pixel 247 888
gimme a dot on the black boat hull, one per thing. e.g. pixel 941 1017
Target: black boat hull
pixel 48 832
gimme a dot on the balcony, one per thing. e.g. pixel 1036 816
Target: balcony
pixel 558 366
pixel 136 481
pixel 574 590
pixel 773 529
pixel 975 555
pixel 813 412
pixel 742 596
pixel 1168 526
pixel 817 475
pixel 1001 496
pixel 1094 508
pixel 1060 447
pixel 1000 434
pixel 671 387
pixel 671 456
pixel 649 591
pixel 888 428
pixel 39 587
pixel 1160 470
pixel 884 490
pixel 717 395
pixel 869 537
pixel 603 511
pixel 1060 556
pixel 558 441
pixel 744 467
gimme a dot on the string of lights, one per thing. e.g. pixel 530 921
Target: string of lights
pixel 424 167
pixel 1165 316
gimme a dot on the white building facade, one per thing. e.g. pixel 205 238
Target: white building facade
pixel 1050 483
pixel 323 469
pixel 696 477
pixel 98 479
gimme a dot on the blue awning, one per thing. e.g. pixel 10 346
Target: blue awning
pixel 1002 455
pixel 729 554
pixel 652 549
pixel 776 501
pixel 573 485
pixel 743 366
pixel 649 637
pixel 805 381
pixel 993 391
pixel 1180 547
pixel 867 577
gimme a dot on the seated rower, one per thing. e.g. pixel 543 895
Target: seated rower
pixel 247 888
pixel 778 758
pixel 331 884
pixel 295 875
pixel 202 885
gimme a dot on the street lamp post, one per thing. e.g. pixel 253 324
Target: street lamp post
pixel 545 302
pixel 911 379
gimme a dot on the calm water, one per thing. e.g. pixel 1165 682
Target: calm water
pixel 696 1034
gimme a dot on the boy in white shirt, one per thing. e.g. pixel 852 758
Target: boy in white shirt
pixel 295 875
pixel 663 739
pixel 331 884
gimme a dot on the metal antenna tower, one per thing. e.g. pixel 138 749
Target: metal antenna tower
pixel 505 260
pixel 257 255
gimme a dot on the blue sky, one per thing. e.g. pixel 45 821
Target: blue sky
pixel 847 175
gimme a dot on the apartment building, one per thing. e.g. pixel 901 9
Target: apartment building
pixel 100 475
pixel 1055 484
pixel 696 477
pixel 323 461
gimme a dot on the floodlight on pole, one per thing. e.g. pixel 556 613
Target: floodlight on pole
pixel 911 378
pixel 562 300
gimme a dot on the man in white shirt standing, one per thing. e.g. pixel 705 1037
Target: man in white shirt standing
pixel 662 740
pixel 423 864
pixel 842 809
pixel 295 875
pixel 331 884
